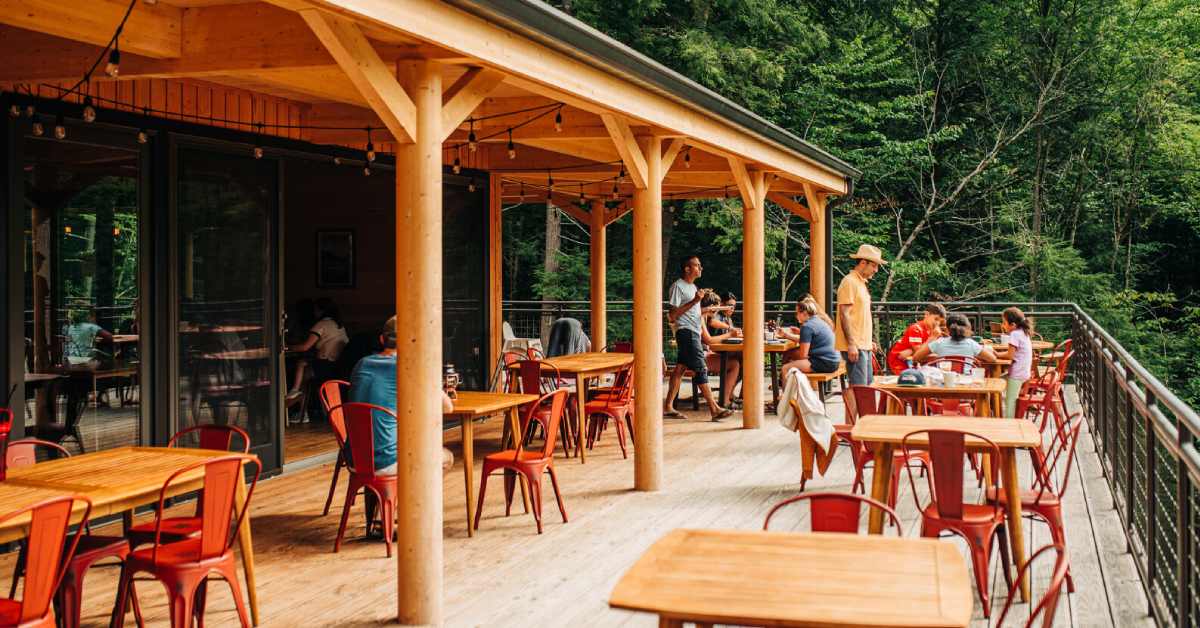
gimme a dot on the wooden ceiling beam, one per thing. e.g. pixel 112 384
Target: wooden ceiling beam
pixel 628 148
pixel 153 30
pixel 816 202
pixel 461 98
pixel 790 204
pixel 375 80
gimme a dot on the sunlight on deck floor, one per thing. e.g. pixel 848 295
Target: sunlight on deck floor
pixel 716 476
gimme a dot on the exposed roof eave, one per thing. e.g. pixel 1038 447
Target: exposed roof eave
pixel 539 21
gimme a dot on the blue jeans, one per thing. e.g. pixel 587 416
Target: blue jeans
pixel 859 373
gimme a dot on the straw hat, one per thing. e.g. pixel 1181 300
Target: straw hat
pixel 869 253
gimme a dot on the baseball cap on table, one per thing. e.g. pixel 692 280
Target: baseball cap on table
pixel 869 253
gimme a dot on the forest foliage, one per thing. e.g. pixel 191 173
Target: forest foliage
pixel 1012 150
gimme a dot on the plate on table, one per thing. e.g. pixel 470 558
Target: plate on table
pixel 732 341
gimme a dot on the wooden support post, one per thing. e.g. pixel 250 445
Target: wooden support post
pixel 419 346
pixel 599 263
pixel 753 187
pixel 648 320
pixel 818 248
pixel 495 268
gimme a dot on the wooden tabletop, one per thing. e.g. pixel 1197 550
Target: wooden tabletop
pixel 124 338
pixel 476 404
pixel 789 579
pixel 584 363
pixel 1036 345
pixel 115 479
pixel 736 347
pixel 37 378
pixel 889 428
pixel 988 385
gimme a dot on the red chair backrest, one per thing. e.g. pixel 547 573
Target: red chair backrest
pixel 863 400
pixel 557 401
pixel 958 363
pixel 834 512
pixel 331 399
pixel 623 346
pixel 360 434
pixel 1064 441
pixel 23 453
pixel 947 451
pixel 218 503
pixel 47 552
pixel 213 436
pixel 5 427
pixel 1048 605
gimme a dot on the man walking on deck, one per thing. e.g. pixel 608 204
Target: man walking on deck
pixel 854 335
pixel 685 316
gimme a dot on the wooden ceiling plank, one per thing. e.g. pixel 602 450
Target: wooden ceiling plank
pixel 461 98
pixel 152 30
pixel 362 64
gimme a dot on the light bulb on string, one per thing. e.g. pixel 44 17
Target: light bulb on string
pixel 558 120
pixel 582 198
pixel 67 229
pixel 370 146
pixel 142 136
pixel 29 111
pixel 116 231
pixel 621 175
pixel 60 130
pixel 258 150
pixel 472 142
pixel 337 161
pixel 687 159
pixel 471 185
pixel 512 148
pixel 522 191
pixel 457 167
pixel 549 182
pixel 113 67
pixel 14 111
pixel 616 193
pixel 367 170
pixel 89 111
pixel 37 129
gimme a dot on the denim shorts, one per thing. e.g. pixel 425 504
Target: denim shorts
pixel 691 354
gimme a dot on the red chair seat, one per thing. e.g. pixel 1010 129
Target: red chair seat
pixel 184 551
pixel 92 546
pixel 10 611
pixel 173 529
pixel 972 513
pixel 507 456
pixel 1029 498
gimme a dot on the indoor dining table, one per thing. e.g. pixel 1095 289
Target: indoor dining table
pixel 886 432
pixel 118 480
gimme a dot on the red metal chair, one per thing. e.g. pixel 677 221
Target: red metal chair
pixel 955 407
pixel 834 512
pixel 1048 605
pixel 48 553
pixel 360 433
pixel 185 566
pixel 537 380
pixel 206 436
pixel 946 511
pixel 616 405
pixel 23 453
pixel 1044 500
pixel 331 397
pixel 531 464
pixel 862 401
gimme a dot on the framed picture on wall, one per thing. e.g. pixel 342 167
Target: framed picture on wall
pixel 335 259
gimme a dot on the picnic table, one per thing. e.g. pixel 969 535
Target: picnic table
pixel 118 480
pixel 772 348
pixel 886 432
pixel 987 393
pixel 824 580
pixel 583 366
pixel 469 406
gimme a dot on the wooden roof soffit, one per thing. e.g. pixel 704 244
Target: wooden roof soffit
pixel 752 184
pixel 153 30
pixel 371 76
pixel 461 98
pixel 790 204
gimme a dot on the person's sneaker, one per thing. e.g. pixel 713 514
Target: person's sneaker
pixel 293 394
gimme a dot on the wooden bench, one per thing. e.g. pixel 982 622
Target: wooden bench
pixel 820 381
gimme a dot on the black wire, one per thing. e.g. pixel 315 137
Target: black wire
pixel 87 76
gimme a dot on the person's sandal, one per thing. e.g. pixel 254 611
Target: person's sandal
pixel 673 414
pixel 723 414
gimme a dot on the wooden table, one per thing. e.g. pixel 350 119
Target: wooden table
pixel 821 580
pixel 886 432
pixel 117 480
pixel 988 394
pixel 469 406
pixel 773 349
pixel 1036 345
pixel 583 366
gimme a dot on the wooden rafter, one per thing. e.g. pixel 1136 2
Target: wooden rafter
pixel 361 63
pixel 671 152
pixel 465 94
pixel 152 30
pixel 790 204
pixel 627 147
pixel 617 213
pixel 752 184
pixel 816 202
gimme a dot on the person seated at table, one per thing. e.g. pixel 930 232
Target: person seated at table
pixel 958 343
pixel 721 310
pixel 1020 351
pixel 326 339
pixel 80 339
pixel 715 332
pixel 927 329
pixel 814 352
pixel 374 381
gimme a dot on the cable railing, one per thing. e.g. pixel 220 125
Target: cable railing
pixel 1145 435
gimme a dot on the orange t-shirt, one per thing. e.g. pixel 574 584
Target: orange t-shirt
pixel 915 336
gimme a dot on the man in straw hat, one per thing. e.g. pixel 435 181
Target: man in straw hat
pixel 853 335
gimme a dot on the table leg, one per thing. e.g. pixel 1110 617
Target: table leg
pixel 1016 534
pixel 580 399
pixel 881 478
pixel 775 379
pixel 246 544
pixel 983 409
pixel 667 622
pixel 514 427
pixel 721 377
pixel 468 459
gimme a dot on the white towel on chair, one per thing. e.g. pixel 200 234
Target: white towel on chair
pixel 816 422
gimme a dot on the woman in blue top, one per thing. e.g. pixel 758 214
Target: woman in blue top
pixel 815 353
pixel 957 343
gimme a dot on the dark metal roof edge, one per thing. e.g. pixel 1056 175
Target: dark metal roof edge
pixel 547 25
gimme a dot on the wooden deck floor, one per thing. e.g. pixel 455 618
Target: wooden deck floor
pixel 716 476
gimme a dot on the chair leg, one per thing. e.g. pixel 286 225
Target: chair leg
pixel 510 485
pixel 482 491
pixel 18 570
pixel 1054 521
pixel 557 495
pixel 387 510
pixel 1006 560
pixel 346 505
pixel 337 469
pixel 182 596
pixel 980 559
pixel 621 436
pixel 239 602
pixel 200 601
pixel 124 592
pixel 68 603
pixel 535 484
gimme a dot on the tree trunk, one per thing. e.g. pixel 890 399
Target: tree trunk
pixel 550 265
pixel 669 210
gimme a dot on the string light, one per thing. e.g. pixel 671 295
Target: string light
pixel 14 111
pixel 621 175
pixel 457 167
pixel 367 170
pixel 687 158
pixel 116 231
pixel 142 136
pixel 89 111
pixel 60 130
pixel 582 198
pixel 512 148
pixel 29 111
pixel 38 130
pixel 522 190
pixel 472 142
pixel 471 185
pixel 549 182
pixel 113 67
pixel 616 193
pixel 258 150
pixel 370 146
pixel 67 229
pixel 558 120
